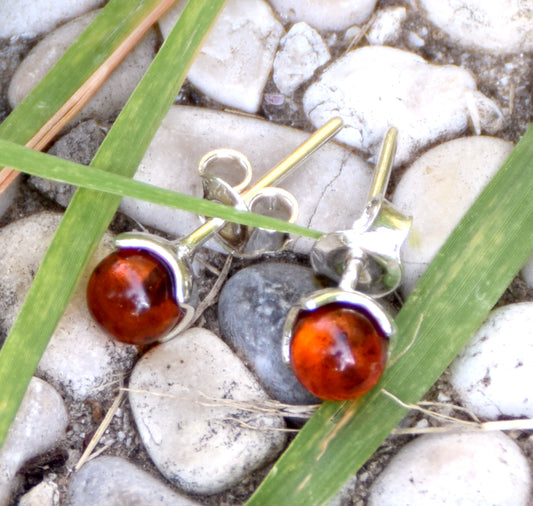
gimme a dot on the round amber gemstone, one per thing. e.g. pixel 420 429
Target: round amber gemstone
pixel 337 352
pixel 130 294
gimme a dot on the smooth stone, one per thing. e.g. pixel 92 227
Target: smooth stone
pixel 28 18
pixel 492 375
pixel 437 190
pixel 7 197
pixel 187 133
pixel 40 423
pixel 301 52
pixel 375 87
pixel 181 393
pixel 497 26
pixel 386 26
pixel 45 493
pixel 113 94
pixel 79 145
pixel 113 481
pixel 252 308
pixel 234 63
pixel 527 272
pixel 468 468
pixel 93 357
pixel 326 14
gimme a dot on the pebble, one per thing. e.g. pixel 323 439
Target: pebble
pixel 113 481
pixel 111 97
pixel 93 357
pixel 8 196
pixel 437 190
pixel 498 26
pixel 326 14
pixel 527 272
pixel 492 375
pixel 375 87
pixel 181 393
pixel 235 61
pixel 28 18
pixel 45 493
pixel 468 468
pixel 252 308
pixel 38 426
pixel 78 145
pixel 301 52
pixel 386 25
pixel 187 133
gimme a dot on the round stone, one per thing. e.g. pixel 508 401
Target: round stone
pixel 338 352
pixel 131 294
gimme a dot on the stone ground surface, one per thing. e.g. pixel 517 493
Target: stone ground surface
pixel 512 93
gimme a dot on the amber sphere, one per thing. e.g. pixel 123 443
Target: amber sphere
pixel 131 295
pixel 337 352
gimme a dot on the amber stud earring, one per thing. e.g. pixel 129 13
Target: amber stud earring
pixel 142 292
pixel 336 339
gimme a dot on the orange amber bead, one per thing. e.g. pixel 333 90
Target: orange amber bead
pixel 130 294
pixel 337 352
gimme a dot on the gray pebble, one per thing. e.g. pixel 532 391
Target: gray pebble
pixel 115 482
pixel 38 426
pixel 79 145
pixel 252 308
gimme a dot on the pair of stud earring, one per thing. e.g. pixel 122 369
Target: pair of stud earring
pixel 335 340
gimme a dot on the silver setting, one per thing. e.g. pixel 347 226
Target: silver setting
pixel 320 298
pixel 364 260
pixel 375 242
pixel 367 256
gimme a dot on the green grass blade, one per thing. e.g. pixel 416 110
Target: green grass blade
pixel 461 285
pixel 56 169
pixel 117 20
pixel 89 213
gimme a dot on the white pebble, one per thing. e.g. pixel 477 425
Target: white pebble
pixel 45 493
pixel 375 87
pixel 468 468
pixel 326 14
pixel 111 97
pixel 40 423
pixel 386 25
pixel 108 481
pixel 235 61
pixel 195 439
pixel 8 196
pixel 187 133
pixel 493 373
pixel 301 52
pixel 527 272
pixel 28 18
pixel 93 357
pixel 437 190
pixel 500 26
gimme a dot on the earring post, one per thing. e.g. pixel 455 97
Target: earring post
pixel 274 176
pixel 384 166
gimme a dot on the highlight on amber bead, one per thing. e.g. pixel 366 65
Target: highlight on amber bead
pixel 131 295
pixel 337 351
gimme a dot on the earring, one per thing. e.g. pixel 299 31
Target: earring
pixel 143 291
pixel 336 339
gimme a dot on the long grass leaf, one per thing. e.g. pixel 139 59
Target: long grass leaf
pixel 56 169
pixel 89 213
pixel 451 300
